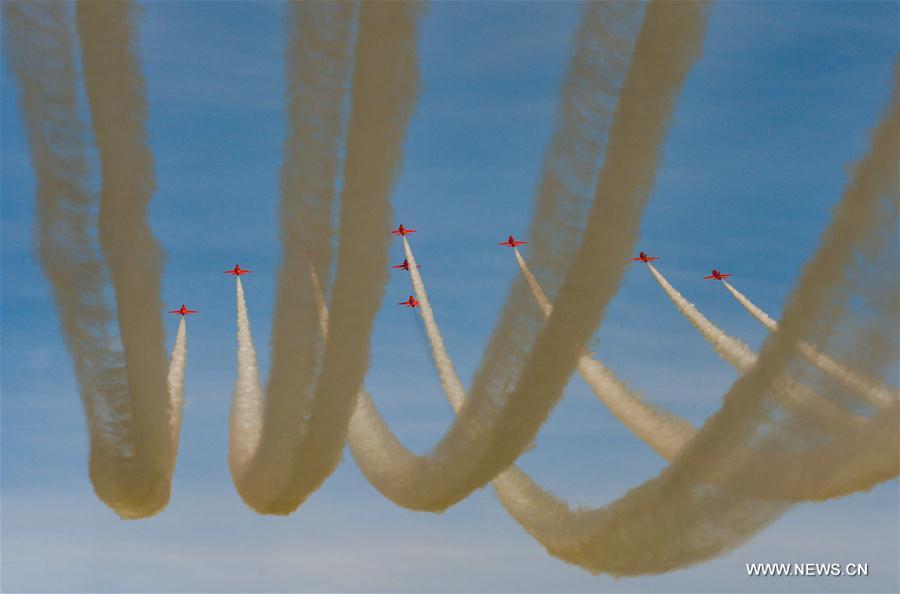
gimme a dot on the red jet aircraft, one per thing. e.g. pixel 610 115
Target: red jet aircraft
pixel 642 257
pixel 511 242
pixel 716 275
pixel 402 231
pixel 237 270
pixel 183 311
pixel 405 265
pixel 411 302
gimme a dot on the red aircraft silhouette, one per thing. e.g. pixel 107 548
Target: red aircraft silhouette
pixel 511 242
pixel 411 302
pixel 183 311
pixel 401 231
pixel 716 275
pixel 405 265
pixel 237 270
pixel 642 257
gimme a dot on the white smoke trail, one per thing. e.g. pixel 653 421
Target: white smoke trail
pixel 175 382
pixel 875 392
pixel 743 358
pixel 732 350
pixel 246 420
pixel 453 388
pixel 663 432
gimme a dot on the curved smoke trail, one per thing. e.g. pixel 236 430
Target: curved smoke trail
pixel 124 390
pixel 603 44
pixel 743 358
pixel 668 521
pixel 297 453
pixel 115 93
pixel 385 461
pixel 267 426
pixel 506 408
pixel 175 383
pixel 875 392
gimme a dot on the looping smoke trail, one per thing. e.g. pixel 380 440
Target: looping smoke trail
pixel 743 358
pixel 672 520
pixel 297 454
pixel 875 392
pixel 502 418
pixel 386 463
pixel 495 425
pixel 266 428
pixel 40 49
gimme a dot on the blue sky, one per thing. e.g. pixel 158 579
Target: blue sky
pixel 756 158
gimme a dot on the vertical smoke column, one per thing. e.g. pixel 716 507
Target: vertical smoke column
pixel 318 63
pixel 175 382
pixel 115 91
pixel 875 392
pixel 41 51
pixel 385 83
pixel 247 405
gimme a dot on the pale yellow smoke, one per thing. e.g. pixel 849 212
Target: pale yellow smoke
pixel 515 390
pixel 676 519
pixel 298 452
pixel 125 392
pixel 875 392
pixel 41 52
pixel 680 518
pixel 318 63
